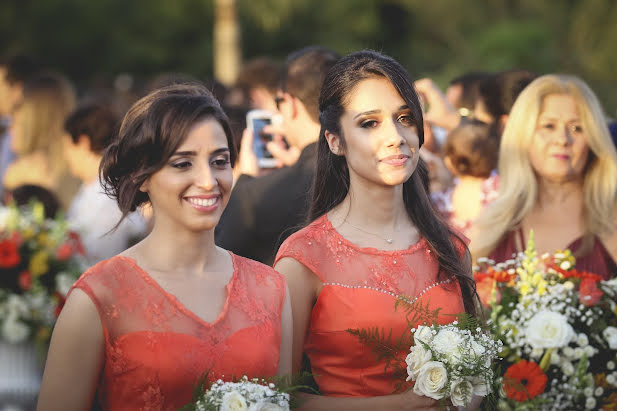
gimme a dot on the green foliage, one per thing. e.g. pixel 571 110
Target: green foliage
pixel 437 38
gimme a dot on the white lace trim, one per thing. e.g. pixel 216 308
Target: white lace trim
pixel 390 293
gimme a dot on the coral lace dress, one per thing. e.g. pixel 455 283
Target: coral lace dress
pixel 156 349
pixel 359 291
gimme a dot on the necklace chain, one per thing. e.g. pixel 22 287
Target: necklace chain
pixel 387 240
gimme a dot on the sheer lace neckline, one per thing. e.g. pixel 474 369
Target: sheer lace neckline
pixel 176 302
pixel 325 222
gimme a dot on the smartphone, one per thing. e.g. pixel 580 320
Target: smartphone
pixel 256 120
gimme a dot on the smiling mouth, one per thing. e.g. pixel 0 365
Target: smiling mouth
pixel 203 203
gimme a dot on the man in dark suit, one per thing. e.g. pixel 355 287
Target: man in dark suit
pixel 263 211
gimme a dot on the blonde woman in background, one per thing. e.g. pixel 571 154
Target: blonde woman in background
pixel 558 176
pixel 38 137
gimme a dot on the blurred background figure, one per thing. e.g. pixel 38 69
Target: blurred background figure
pixel 463 91
pixel 14 72
pixel 257 84
pixel 497 94
pixel 23 195
pixel 263 211
pixel 38 137
pixel 92 213
pixel 558 177
pixel 470 154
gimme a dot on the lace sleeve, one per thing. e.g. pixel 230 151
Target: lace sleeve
pixel 306 247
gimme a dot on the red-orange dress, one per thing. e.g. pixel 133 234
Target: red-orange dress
pixel 156 349
pixel 359 291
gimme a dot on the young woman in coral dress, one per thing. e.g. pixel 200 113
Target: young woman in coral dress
pixel 373 237
pixel 138 330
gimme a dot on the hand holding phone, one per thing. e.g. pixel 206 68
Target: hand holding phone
pixel 256 120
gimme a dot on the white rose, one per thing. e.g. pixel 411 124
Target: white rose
pixel 589 351
pixel 17 306
pixel 555 358
pixel 610 335
pixel 548 329
pixel 568 352
pixel 267 406
pixel 477 350
pixel 582 340
pixel 461 392
pixel 578 353
pixel 588 392
pixel 14 331
pixel 448 343
pixel 610 365
pixel 599 391
pixel 611 379
pixel 537 352
pixel 479 387
pixel 590 403
pixel 233 401
pixel 431 380
pixel 424 334
pixel 416 359
pixel 567 368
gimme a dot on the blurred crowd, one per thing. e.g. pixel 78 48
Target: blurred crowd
pixel 486 175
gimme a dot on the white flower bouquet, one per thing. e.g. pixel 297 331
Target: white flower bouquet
pixel 558 326
pixel 244 395
pixel 452 362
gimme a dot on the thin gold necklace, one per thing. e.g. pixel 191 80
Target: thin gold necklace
pixel 387 240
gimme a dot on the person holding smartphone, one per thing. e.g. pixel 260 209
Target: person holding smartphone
pixel 263 211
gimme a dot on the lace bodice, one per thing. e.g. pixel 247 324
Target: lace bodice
pixel 360 286
pixel 156 349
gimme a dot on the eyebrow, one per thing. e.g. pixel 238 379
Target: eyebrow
pixel 365 113
pixel 194 153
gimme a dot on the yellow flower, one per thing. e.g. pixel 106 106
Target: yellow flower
pixel 39 264
pixel 542 287
pixel 44 240
pixel 525 289
pixel 38 212
pixel 28 233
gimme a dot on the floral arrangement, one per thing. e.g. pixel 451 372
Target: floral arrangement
pixel 39 261
pixel 558 327
pixel 244 395
pixel 448 362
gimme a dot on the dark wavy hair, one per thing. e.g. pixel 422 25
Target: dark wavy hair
pixel 152 130
pixel 331 183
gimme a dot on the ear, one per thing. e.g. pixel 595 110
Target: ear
pixel 83 142
pixel 334 142
pixel 503 119
pixel 448 163
pixel 145 186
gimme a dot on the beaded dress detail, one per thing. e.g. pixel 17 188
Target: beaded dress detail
pixel 156 349
pixel 360 288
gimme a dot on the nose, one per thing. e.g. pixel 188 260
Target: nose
pixel 393 135
pixel 205 177
pixel 563 135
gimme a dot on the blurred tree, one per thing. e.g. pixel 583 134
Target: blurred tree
pixel 437 38
pixel 226 42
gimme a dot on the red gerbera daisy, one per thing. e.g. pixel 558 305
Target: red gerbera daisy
pixel 524 380
pixel 9 254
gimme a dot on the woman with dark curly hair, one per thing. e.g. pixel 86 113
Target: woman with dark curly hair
pixel 138 330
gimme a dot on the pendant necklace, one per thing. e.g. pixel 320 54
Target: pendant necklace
pixel 387 240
